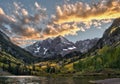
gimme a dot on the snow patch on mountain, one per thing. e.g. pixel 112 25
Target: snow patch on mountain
pixel 45 50
pixel 71 48
pixel 36 51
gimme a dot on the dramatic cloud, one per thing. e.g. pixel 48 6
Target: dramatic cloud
pixel 83 12
pixel 57 30
pixel 24 26
pixel 49 32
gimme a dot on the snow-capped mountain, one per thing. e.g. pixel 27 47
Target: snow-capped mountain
pixel 48 48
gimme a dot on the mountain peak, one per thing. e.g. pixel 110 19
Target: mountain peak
pixel 52 47
pixel 60 39
pixel 60 36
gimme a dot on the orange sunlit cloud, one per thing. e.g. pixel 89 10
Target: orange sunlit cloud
pixel 50 32
pixel 82 12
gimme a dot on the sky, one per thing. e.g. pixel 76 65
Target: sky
pixel 27 21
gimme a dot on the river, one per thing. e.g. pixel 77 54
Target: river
pixel 48 80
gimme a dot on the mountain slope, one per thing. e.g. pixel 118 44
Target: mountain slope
pixel 51 48
pixel 104 57
pixel 8 62
pixel 7 46
pixel 111 36
pixel 85 45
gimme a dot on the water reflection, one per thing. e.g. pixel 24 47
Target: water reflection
pixel 46 80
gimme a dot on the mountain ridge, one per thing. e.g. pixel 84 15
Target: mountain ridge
pixel 110 37
pixel 7 46
pixel 57 46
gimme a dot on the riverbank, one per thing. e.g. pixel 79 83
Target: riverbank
pixel 105 72
pixel 107 81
